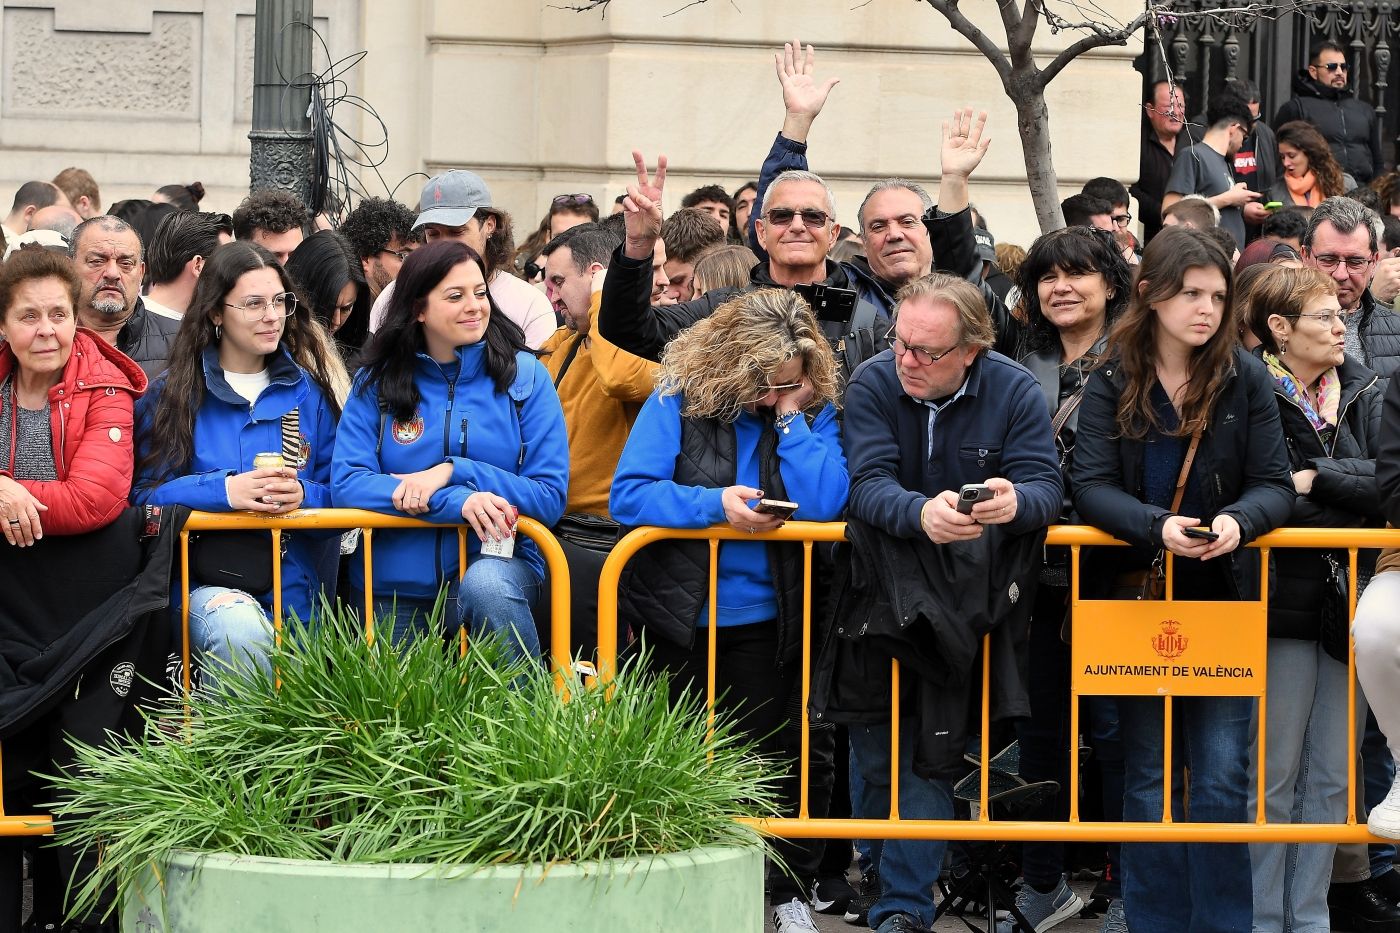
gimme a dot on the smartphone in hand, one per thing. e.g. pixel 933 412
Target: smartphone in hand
pixel 971 494
pixel 778 507
pixel 1200 533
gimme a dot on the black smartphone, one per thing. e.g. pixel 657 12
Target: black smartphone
pixel 1204 534
pixel 971 494
pixel 779 507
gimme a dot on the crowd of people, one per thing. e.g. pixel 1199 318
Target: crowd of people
pixel 1187 385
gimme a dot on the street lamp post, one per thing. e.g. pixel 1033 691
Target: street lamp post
pixel 281 134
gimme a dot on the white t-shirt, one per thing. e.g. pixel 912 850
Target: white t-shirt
pixel 248 385
pixel 156 307
pixel 518 300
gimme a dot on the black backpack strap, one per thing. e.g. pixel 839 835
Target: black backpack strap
pixel 573 352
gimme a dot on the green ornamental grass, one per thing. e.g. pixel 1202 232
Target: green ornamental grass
pixel 374 754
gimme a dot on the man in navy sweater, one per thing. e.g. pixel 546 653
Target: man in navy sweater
pixel 937 411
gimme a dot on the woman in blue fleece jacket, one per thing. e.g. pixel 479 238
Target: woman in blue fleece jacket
pixel 244 359
pixel 452 420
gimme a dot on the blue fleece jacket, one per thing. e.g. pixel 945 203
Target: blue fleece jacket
pixel 520 453
pixel 228 434
pixel 643 493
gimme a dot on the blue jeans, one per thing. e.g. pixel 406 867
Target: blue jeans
pixel 497 597
pixel 227 628
pixel 908 868
pixel 1306 782
pixel 1173 887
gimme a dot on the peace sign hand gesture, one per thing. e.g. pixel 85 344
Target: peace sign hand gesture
pixel 642 209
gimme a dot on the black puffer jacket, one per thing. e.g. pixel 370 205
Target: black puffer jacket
pixel 1380 337
pixel 1349 125
pixel 665 586
pixel 1241 470
pixel 146 338
pixel 1344 495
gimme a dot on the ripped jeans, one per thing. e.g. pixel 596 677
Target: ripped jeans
pixel 227 627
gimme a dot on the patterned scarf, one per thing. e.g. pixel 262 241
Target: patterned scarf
pixel 1323 418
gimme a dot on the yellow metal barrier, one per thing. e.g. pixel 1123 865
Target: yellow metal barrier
pixel 333 520
pixel 1074 830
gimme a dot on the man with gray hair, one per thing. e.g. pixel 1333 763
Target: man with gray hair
pixel 1343 241
pixel 107 256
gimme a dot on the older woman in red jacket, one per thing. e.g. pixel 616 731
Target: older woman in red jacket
pixel 66 400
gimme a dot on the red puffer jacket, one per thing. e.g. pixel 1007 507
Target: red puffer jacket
pixel 90 414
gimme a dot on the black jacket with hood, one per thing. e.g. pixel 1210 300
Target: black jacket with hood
pixel 1344 495
pixel 1349 125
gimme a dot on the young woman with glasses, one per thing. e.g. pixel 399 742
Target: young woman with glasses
pixel 248 375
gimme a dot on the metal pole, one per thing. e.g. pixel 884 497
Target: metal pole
pixel 281 134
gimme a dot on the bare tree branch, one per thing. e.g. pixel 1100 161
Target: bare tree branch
pixel 1025 32
pixel 948 9
pixel 1085 43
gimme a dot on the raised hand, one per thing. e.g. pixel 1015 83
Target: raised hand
pixel 642 208
pixel 963 143
pixel 803 97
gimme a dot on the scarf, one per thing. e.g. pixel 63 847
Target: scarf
pixel 1323 418
pixel 1304 190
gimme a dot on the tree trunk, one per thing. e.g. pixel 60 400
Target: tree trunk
pixel 1033 122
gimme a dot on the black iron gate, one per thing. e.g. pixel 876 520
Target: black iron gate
pixel 1203 47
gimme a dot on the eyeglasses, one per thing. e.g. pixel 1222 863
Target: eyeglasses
pixel 812 219
pixel 1329 318
pixel 1333 66
pixel 922 355
pixel 1122 220
pixel 573 200
pixel 401 254
pixel 1329 262
pixel 255 307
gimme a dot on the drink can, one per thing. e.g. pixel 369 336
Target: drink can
pixel 269 461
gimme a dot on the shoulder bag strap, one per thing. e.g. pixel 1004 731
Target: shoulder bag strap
pixel 573 352
pixel 1057 424
pixel 1186 469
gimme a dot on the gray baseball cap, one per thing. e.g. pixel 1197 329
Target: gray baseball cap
pixel 452 199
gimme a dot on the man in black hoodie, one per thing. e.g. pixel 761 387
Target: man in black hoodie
pixel 1349 125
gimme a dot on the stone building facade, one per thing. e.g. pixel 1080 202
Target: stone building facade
pixel 540 100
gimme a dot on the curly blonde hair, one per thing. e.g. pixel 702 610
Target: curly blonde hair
pixel 720 362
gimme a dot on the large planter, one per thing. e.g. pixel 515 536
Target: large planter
pixel 711 890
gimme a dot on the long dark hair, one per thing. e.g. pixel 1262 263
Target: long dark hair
pixel 1133 340
pixel 172 429
pixel 322 265
pixel 1073 249
pixel 390 360
pixel 1306 139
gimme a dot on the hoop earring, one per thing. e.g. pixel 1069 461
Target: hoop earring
pixel 218 332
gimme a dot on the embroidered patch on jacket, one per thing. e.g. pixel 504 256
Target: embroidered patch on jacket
pixel 406 432
pixel 303 449
pixel 121 677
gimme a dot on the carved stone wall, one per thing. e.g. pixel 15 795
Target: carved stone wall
pixel 142 93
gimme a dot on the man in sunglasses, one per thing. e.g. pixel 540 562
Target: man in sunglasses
pixel 1350 125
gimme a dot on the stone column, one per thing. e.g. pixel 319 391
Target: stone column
pixel 281 134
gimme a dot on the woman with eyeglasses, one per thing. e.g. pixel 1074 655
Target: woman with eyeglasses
pixel 1330 406
pixel 248 375
pixel 1310 171
pixel 1179 429
pixel 744 412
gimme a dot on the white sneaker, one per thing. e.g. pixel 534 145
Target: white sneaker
pixel 793 917
pixel 1384 819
